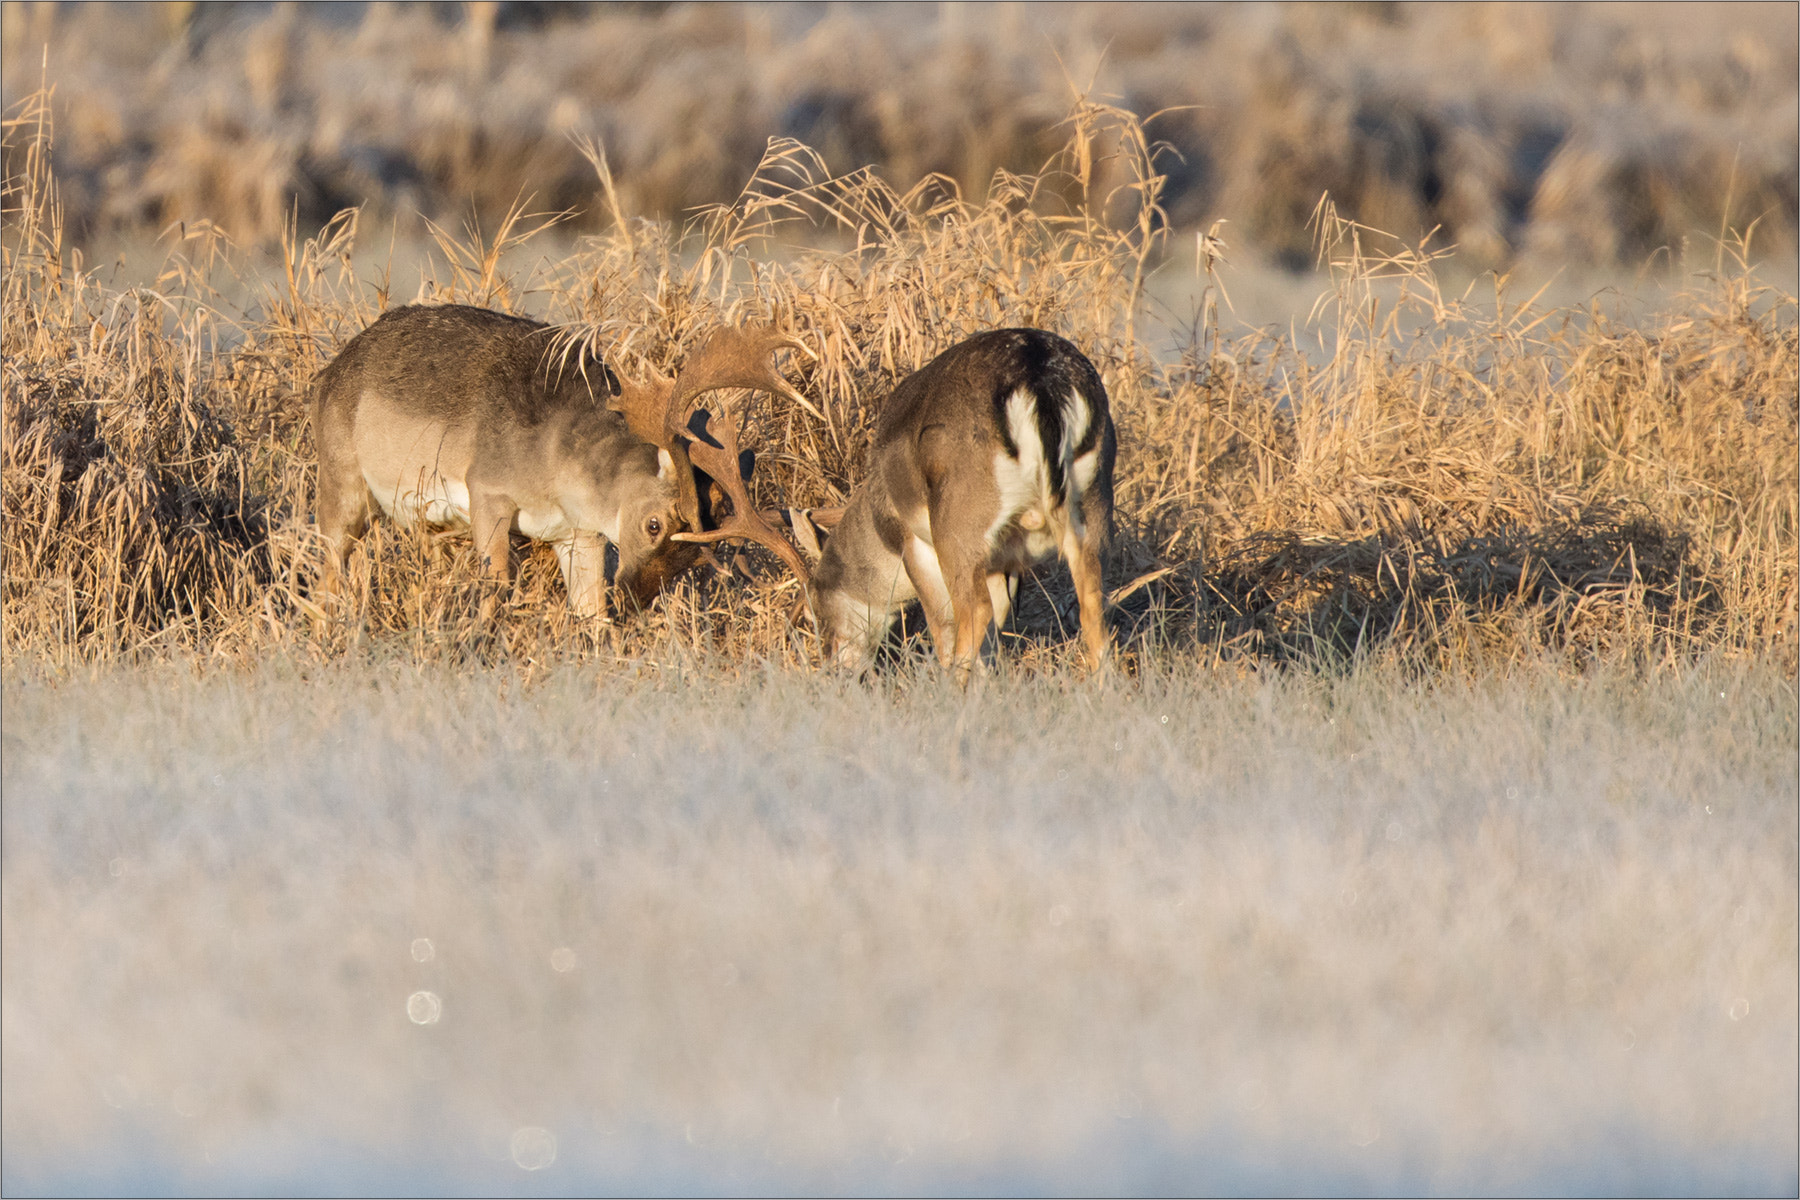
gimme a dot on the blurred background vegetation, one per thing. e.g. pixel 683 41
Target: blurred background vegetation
pixel 1586 135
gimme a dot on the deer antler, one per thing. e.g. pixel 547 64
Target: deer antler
pixel 657 412
pixel 717 455
pixel 736 357
pixel 643 406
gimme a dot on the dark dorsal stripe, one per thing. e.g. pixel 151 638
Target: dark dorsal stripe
pixel 1042 365
pixel 1041 361
pixel 1001 423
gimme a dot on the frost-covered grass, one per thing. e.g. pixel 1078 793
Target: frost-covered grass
pixel 714 928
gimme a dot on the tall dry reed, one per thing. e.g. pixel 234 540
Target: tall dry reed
pixel 1450 483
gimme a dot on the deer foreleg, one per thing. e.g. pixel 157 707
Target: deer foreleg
pixel 927 576
pixel 582 558
pixel 342 512
pixel 1001 588
pixel 974 613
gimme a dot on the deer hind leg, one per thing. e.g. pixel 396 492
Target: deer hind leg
pixel 1084 568
pixel 966 578
pixel 966 557
pixel 342 511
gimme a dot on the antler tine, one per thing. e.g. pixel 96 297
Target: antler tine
pixel 736 356
pixel 729 357
pixel 721 462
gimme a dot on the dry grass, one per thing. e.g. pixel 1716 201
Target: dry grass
pixel 1445 483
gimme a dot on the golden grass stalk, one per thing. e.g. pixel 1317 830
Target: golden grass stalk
pixel 1447 482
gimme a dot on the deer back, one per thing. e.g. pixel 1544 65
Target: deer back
pixel 1018 418
pixel 1026 393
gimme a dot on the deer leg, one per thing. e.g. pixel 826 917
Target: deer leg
pixel 965 577
pixel 1001 588
pixel 927 575
pixel 490 521
pixel 974 613
pixel 1084 569
pixel 960 538
pixel 582 558
pixel 342 512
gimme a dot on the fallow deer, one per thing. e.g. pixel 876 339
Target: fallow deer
pixel 994 455
pixel 461 416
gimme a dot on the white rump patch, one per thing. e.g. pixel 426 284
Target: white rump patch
pixel 1084 469
pixel 1078 473
pixel 1024 482
pixel 1076 417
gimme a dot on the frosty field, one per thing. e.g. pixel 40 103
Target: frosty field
pixel 692 928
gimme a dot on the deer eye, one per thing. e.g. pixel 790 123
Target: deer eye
pixel 653 526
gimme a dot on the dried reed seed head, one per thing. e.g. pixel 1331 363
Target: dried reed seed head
pixel 1498 488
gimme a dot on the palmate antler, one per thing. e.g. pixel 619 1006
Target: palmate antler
pixel 657 411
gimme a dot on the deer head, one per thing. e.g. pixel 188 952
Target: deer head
pixel 658 411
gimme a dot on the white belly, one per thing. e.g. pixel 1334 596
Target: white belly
pixel 442 502
pixel 551 524
pixel 427 497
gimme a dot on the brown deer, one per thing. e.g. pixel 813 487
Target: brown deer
pixel 994 455
pixel 461 416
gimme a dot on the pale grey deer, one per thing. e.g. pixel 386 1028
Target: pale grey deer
pixel 464 417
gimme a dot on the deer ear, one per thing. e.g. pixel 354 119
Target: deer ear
pixel 806 533
pixel 665 463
